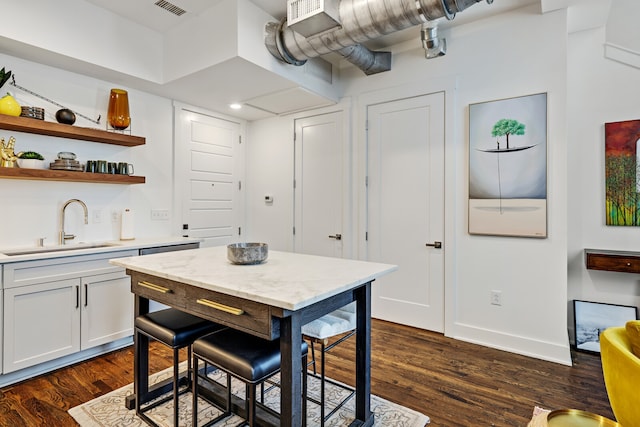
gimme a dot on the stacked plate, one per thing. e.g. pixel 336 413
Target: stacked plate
pixel 66 161
pixel 33 113
pixel 66 165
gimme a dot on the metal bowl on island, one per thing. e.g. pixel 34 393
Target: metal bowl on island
pixel 247 253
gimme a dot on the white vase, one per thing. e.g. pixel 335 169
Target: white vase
pixel 31 164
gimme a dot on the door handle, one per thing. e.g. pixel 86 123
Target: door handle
pixel 437 245
pixel 336 236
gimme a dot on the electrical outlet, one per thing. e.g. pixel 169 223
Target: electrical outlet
pixel 160 214
pixel 496 297
pixel 97 216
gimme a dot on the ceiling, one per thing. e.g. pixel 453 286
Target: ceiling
pixel 147 14
pixel 277 89
pixel 235 89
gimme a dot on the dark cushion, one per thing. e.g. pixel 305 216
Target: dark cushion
pixel 175 328
pixel 251 358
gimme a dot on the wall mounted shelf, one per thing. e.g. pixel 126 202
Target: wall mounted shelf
pixel 40 127
pixel 60 175
pixel 607 260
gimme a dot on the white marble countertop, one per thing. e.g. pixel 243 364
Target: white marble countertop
pixel 287 280
pixel 74 249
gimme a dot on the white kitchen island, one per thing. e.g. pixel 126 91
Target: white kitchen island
pixel 271 300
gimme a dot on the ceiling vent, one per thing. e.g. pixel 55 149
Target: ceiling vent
pixel 309 17
pixel 170 7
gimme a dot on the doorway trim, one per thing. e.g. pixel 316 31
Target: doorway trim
pixel 178 109
pixel 349 204
pixel 453 154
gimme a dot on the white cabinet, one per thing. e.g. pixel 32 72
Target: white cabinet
pixel 106 309
pixel 1 314
pixel 56 307
pixel 41 323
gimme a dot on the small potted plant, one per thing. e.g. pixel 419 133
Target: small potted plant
pixel 31 160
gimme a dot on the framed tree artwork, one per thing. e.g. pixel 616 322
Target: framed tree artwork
pixel 508 167
pixel 621 171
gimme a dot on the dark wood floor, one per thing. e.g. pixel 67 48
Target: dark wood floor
pixel 453 382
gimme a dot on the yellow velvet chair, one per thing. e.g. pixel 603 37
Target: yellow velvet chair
pixel 621 370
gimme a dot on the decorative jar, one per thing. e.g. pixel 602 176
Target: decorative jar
pixel 118 113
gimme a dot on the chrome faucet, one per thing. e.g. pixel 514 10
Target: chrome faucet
pixel 63 237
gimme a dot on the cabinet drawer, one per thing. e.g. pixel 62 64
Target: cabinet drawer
pixel 39 271
pixel 613 262
pixel 249 316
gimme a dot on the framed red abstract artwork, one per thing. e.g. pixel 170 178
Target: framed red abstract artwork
pixel 621 172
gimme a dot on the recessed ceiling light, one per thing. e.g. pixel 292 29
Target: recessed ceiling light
pixel 235 106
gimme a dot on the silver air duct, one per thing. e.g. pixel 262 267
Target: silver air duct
pixel 356 21
pixel 432 44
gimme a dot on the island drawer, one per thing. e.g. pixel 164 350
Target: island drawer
pixel 238 313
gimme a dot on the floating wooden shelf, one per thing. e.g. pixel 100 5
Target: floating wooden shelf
pixel 620 261
pixel 60 175
pixel 40 127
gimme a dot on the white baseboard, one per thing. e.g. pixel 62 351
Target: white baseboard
pixel 551 352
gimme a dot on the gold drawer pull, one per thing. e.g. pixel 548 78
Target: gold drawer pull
pixel 221 307
pixel 155 287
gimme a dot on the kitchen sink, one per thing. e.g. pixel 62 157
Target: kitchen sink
pixel 48 249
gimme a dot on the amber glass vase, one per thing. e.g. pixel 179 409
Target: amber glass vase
pixel 118 114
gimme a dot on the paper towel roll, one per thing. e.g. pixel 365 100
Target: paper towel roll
pixel 126 225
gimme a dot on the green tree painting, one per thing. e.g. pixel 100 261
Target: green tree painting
pixel 622 173
pixel 506 127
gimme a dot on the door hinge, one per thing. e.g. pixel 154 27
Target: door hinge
pixel 295 135
pixel 366 236
pixel 294 231
pixel 239 185
pixel 239 139
pixel 239 231
pixel 366 181
pixel 366 125
pixel 294 184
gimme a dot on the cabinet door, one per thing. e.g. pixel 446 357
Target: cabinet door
pixel 41 323
pixel 107 309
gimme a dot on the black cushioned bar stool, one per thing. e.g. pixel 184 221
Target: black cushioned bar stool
pixel 175 329
pixel 245 357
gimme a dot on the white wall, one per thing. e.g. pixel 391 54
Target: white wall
pixel 600 91
pixel 83 33
pixel 269 170
pixel 30 209
pixel 501 57
pixel 516 54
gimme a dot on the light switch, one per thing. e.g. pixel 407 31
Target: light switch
pixel 97 216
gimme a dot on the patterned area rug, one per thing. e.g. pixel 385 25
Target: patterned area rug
pixel 109 410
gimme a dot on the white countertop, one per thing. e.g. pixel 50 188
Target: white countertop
pixel 82 249
pixel 287 280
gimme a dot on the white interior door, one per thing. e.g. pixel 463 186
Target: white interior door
pixel 208 178
pixel 319 185
pixel 405 208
